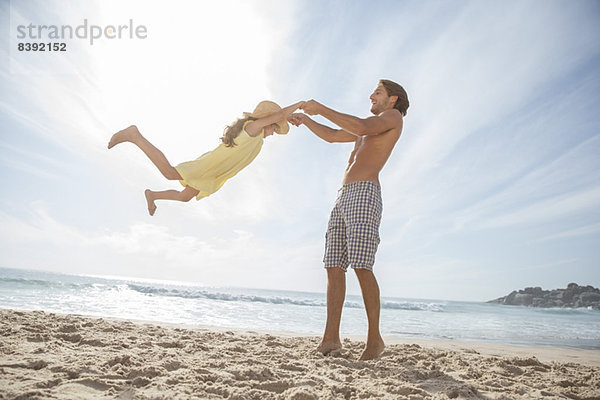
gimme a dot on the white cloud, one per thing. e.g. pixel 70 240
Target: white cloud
pixel 229 257
pixel 586 230
pixel 548 210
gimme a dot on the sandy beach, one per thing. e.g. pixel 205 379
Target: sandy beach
pixel 50 356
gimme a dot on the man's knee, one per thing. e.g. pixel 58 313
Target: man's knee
pixel 335 271
pixel 336 274
pixel 363 272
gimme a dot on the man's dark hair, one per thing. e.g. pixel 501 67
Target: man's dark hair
pixel 393 89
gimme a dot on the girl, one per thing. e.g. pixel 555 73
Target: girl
pixel 241 143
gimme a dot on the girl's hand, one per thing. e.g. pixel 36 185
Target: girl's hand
pixel 290 109
pixel 297 119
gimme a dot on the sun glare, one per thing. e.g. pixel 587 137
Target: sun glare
pixel 198 68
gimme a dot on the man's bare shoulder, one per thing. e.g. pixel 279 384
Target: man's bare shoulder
pixel 393 120
pixel 392 114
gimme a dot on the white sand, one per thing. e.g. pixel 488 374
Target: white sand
pixel 48 356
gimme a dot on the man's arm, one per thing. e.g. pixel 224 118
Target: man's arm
pixel 375 125
pixel 324 132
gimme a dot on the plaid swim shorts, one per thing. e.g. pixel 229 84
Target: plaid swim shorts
pixel 353 230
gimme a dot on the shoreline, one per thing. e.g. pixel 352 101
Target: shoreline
pixel 590 357
pixel 68 356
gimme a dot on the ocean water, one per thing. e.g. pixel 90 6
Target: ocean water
pixel 287 311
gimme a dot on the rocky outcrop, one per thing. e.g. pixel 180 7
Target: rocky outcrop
pixel 574 296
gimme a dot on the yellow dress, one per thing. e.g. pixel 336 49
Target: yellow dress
pixel 209 172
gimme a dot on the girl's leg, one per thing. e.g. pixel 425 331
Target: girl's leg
pixel 133 135
pixel 185 195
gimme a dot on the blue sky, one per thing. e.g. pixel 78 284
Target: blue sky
pixel 493 186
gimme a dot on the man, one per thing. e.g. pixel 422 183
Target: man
pixel 353 230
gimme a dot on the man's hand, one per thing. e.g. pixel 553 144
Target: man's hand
pixel 297 119
pixel 311 107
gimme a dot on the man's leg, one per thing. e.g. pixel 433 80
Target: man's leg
pixel 336 295
pixel 370 293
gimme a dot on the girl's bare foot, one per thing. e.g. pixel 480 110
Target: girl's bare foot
pixel 329 346
pixel 125 135
pixel 150 201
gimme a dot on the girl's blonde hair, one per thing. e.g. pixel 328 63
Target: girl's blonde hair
pixel 232 131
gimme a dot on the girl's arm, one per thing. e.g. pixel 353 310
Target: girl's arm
pixel 255 127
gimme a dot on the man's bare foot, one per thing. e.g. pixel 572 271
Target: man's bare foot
pixel 373 350
pixel 326 347
pixel 125 135
pixel 150 201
